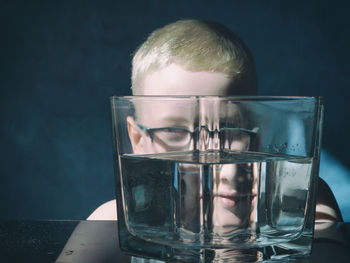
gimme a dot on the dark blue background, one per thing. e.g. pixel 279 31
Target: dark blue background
pixel 61 60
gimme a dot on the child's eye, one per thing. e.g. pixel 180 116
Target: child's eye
pixel 174 138
pixel 170 135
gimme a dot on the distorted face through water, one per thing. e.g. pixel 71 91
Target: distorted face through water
pixel 170 126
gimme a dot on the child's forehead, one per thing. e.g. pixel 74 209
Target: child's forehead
pixel 169 113
pixel 175 80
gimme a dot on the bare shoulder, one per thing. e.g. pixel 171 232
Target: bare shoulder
pixel 327 209
pixel 106 211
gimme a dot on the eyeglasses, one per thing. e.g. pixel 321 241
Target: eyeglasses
pixel 180 138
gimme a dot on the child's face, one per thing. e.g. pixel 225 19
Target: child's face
pixel 233 186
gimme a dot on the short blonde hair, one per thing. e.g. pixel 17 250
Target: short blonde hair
pixel 196 45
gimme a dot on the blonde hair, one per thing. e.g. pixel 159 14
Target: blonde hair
pixel 196 45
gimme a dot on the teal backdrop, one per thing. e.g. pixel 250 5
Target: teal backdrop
pixel 61 60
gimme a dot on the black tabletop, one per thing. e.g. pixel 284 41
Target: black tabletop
pixel 97 241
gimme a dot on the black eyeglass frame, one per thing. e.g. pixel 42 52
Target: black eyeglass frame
pixel 151 131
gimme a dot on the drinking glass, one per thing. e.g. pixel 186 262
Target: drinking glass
pixel 203 178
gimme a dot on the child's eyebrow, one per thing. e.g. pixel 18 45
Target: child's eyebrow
pixel 175 121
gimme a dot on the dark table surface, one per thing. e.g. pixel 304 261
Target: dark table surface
pixel 97 241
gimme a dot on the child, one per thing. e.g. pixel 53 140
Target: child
pixel 192 57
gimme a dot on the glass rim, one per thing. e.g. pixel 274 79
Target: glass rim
pixel 233 98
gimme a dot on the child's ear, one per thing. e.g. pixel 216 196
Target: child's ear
pixel 135 135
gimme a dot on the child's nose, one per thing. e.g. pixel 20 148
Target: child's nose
pixel 227 174
pixel 234 177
